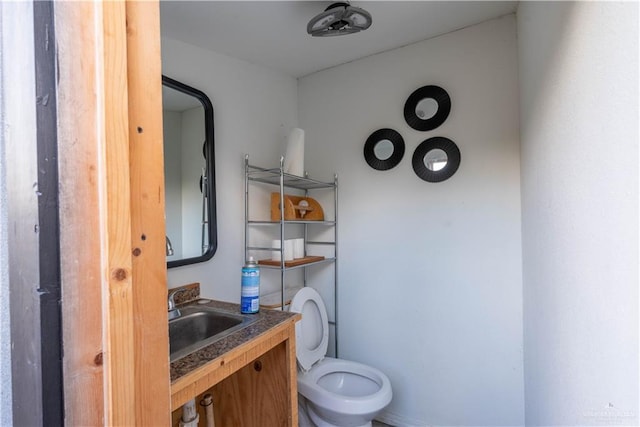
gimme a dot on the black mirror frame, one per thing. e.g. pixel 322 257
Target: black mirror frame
pixel 436 93
pixel 209 154
pixel 398 149
pixel 453 159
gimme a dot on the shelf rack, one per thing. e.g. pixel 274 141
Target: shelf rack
pixel 277 177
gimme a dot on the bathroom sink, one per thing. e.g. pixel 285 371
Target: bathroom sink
pixel 198 326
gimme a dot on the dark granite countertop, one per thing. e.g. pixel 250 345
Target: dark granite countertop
pixel 267 319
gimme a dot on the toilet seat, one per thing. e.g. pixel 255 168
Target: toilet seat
pixel 312 331
pixel 309 385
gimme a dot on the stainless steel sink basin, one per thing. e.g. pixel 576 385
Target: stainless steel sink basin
pixel 198 326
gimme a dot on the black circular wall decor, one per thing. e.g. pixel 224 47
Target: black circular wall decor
pixel 384 140
pixel 451 159
pixel 415 116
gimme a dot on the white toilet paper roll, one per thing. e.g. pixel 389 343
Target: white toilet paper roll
pixel 298 248
pixel 288 250
pixel 294 156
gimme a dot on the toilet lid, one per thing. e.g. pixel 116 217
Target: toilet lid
pixel 312 332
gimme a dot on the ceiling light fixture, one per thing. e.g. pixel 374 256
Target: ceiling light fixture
pixel 339 19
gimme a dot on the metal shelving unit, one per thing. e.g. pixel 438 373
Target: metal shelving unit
pixel 277 177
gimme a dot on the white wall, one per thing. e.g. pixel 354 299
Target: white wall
pixel 254 109
pixel 579 134
pixel 430 285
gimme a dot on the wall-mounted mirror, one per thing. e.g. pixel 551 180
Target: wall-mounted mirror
pixel 189 174
pixel 436 159
pixel 384 149
pixel 427 108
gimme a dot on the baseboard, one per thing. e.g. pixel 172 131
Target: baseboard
pixel 398 420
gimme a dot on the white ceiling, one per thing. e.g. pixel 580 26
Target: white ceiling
pixel 273 33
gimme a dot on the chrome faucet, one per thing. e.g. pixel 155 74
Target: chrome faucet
pixel 174 312
pixel 169 247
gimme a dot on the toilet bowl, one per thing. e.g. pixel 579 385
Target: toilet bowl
pixel 334 392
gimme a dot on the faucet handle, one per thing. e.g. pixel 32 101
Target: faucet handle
pixel 171 298
pixel 168 246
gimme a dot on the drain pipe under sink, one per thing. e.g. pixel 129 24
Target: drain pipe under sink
pixel 190 416
pixel 207 402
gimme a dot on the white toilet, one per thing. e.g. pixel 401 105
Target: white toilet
pixel 332 392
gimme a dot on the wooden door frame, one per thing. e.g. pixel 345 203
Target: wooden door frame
pixel 116 357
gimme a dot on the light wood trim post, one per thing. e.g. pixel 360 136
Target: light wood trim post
pixel 83 245
pixel 147 214
pixel 119 326
pixel 116 369
pixel 292 375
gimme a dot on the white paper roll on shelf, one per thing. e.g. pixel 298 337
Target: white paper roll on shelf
pixel 288 250
pixel 275 255
pixel 298 248
pixel 294 156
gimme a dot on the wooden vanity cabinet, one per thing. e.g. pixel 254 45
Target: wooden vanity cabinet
pixel 253 385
